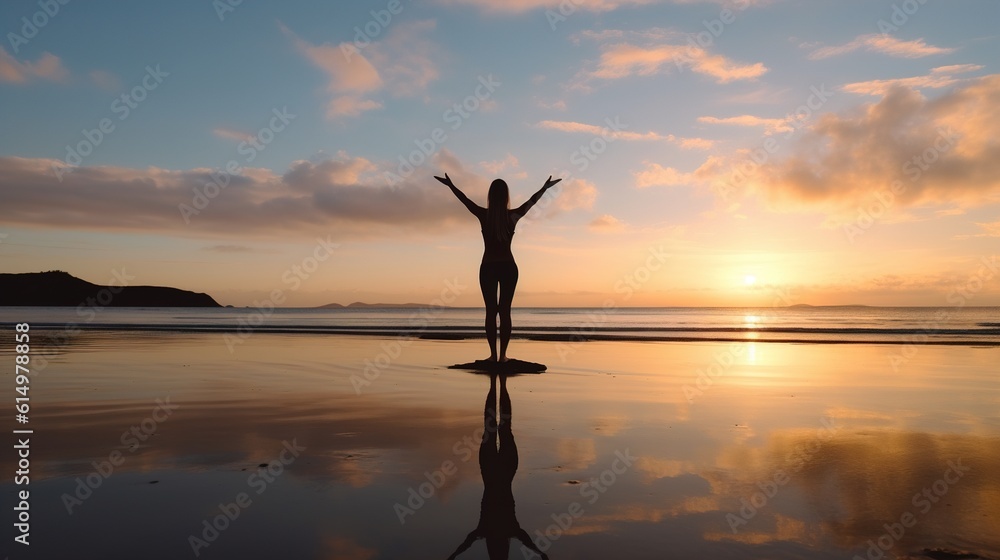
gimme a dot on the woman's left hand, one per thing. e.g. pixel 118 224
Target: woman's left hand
pixel 447 180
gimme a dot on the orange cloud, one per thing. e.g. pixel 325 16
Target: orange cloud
pixel 47 67
pixel 940 77
pixel 606 223
pixel 910 149
pixel 350 106
pixel 771 126
pixel 342 196
pixel 655 175
pixel 230 134
pixel 885 44
pixel 991 229
pixel 624 60
pixel 495 167
pixel 616 131
pixel 519 6
pixel 347 73
pixel 402 63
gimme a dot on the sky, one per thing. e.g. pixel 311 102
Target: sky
pixel 713 153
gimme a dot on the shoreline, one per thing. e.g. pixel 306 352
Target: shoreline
pixel 560 334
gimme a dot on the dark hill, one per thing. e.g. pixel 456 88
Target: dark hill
pixel 57 288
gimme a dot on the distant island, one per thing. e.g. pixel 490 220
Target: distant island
pixel 61 289
pixel 806 305
pixel 359 304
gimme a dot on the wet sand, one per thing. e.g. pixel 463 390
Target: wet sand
pixel 369 448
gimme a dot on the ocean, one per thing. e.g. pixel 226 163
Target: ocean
pixel 848 324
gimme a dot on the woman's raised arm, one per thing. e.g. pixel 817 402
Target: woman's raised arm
pixel 523 209
pixel 472 206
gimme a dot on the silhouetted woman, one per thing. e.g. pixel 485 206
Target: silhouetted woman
pixel 497 521
pixel 498 267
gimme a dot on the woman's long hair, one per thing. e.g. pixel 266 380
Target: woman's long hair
pixel 498 210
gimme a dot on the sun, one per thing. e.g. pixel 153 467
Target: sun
pixel 749 280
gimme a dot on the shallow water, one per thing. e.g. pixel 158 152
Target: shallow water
pixel 778 451
pixel 851 324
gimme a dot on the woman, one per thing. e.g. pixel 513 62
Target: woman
pixel 498 267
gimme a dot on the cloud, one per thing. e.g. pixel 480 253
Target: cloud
pixel 521 6
pixel 47 67
pixel 771 125
pixel 558 105
pixel 940 77
pixel 991 229
pixel 402 63
pixel 651 34
pixel 884 44
pixel 230 134
pixel 105 80
pixel 497 166
pixel 575 194
pixel 941 151
pixel 655 175
pixel 347 70
pixel 405 57
pixel 343 196
pixel 606 223
pixel 350 106
pixel 616 131
pixel 622 60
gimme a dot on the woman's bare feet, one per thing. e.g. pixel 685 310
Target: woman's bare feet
pixel 504 359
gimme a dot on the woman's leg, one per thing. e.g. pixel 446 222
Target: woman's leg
pixel 508 281
pixel 488 284
pixel 488 444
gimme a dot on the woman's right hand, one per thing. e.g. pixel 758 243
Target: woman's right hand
pixel 550 182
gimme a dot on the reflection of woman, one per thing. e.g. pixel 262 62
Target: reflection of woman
pixel 497 521
pixel 498 266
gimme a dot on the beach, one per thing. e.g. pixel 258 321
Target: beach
pixel 176 445
pixel 467 279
